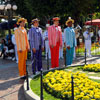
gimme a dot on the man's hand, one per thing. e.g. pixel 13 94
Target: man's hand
pixel 28 50
pixel 20 51
pixel 52 46
pixel 75 47
pixel 64 44
pixel 46 38
pixel 42 49
pixel 64 49
pixel 61 47
pixel 34 50
pixel 68 47
pixel 4 48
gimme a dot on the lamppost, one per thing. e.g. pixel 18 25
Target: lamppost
pixel 91 15
pixel 7 9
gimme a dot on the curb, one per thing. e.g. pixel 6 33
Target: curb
pixel 29 94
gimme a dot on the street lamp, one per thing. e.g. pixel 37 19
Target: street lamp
pixel 7 8
pixel 2 7
pixel 91 15
pixel 14 7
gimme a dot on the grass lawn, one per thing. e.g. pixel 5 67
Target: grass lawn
pixel 35 83
pixel 35 86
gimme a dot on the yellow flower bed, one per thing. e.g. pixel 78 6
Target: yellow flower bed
pixel 58 83
pixel 92 67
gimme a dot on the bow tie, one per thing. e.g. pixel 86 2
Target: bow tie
pixel 56 26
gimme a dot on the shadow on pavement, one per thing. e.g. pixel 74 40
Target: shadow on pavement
pixel 10 84
pixel 21 95
pixel 8 73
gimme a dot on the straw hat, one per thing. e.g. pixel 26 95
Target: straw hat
pixel 20 20
pixel 69 20
pixel 36 19
pixel 56 19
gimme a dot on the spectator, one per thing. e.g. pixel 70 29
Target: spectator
pixel 15 48
pixel 9 36
pixel 3 48
pixel 87 35
pixel 61 49
pixel 47 48
pixel 99 34
pixel 10 49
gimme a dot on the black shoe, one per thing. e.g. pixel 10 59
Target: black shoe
pixel 4 56
pixel 34 73
pixel 24 77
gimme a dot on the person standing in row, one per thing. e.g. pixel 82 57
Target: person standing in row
pixel 87 36
pixel 22 46
pixel 15 46
pixel 47 48
pixel 37 45
pixel 61 49
pixel 55 41
pixel 70 44
pixel 77 33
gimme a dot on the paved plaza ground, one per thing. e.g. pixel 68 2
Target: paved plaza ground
pixel 11 87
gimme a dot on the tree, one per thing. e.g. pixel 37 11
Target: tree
pixel 46 9
pixel 25 9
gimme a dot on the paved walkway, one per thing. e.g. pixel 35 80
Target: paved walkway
pixel 11 87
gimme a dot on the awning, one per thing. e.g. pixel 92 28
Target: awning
pixel 95 22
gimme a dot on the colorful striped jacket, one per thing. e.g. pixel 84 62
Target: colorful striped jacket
pixel 54 35
pixel 21 39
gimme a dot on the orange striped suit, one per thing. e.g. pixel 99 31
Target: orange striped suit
pixel 23 45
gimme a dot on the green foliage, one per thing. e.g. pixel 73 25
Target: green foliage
pixel 46 9
pixel 96 15
pixel 25 9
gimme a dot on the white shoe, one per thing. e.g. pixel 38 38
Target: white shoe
pixel 17 62
pixel 51 68
pixel 37 72
pixel 9 58
pixel 13 59
pixel 90 56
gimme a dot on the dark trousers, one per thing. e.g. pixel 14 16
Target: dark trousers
pixel 38 60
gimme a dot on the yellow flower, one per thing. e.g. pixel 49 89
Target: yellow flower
pixel 60 82
pixel 85 98
pixel 97 96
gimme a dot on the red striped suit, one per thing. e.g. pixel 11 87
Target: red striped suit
pixel 55 41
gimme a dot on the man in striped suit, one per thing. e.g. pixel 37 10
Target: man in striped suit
pixel 37 45
pixel 22 46
pixel 55 41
